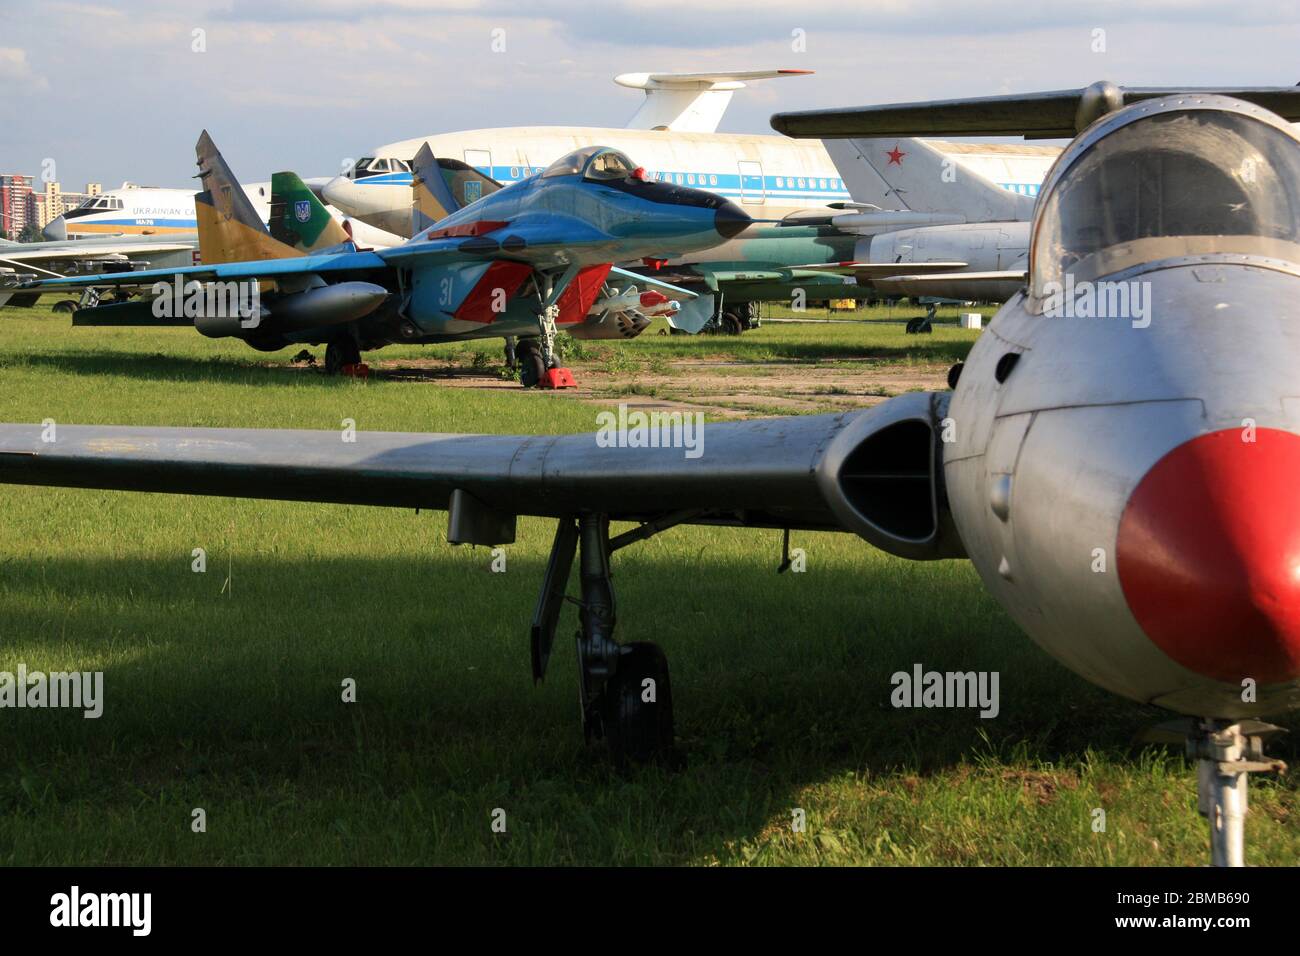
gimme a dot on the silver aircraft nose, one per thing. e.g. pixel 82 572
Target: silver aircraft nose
pixel 56 230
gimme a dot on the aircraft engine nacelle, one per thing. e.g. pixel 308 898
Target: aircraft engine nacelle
pixel 883 477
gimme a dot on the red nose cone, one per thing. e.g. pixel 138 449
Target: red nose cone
pixel 1209 555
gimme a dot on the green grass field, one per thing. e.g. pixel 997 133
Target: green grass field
pixel 223 689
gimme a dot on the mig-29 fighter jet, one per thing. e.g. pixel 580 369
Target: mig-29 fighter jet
pixel 521 263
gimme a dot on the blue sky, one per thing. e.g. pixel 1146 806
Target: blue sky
pixel 115 91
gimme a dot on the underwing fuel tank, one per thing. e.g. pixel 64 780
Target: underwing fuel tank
pixel 313 308
pixel 331 305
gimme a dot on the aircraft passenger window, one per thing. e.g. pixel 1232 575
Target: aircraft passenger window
pixel 1171 185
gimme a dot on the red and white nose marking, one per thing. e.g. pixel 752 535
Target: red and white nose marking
pixel 1209 555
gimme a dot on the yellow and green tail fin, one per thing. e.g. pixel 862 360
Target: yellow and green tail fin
pixel 230 230
pixel 299 219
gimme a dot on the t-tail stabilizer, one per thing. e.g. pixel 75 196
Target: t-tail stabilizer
pixel 689 102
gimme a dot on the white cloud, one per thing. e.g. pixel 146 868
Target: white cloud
pixel 301 85
pixel 15 69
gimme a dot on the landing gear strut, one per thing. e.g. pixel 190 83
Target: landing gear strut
pixel 1225 753
pixel 623 689
pixel 545 370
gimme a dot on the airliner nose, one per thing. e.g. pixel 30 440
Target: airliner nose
pixel 56 229
pixel 730 220
pixel 337 191
pixel 1209 555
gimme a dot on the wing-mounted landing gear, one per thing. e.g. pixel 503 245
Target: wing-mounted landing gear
pixel 923 324
pixel 90 297
pixel 623 689
pixel 511 362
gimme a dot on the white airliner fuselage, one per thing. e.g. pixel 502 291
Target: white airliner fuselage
pixel 769 176
pixel 140 211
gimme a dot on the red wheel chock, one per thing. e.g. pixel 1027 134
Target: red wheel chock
pixel 557 378
pixel 359 370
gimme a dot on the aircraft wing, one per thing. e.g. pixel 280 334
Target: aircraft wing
pixel 1055 114
pixel 871 270
pixel 69 253
pixel 649 282
pixel 260 269
pixel 956 285
pixel 797 472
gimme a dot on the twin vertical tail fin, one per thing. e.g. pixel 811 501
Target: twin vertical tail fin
pixel 299 219
pixel 911 174
pixel 230 230
pixel 439 187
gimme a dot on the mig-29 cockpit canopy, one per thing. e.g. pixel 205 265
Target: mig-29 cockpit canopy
pixel 1205 177
pixel 594 163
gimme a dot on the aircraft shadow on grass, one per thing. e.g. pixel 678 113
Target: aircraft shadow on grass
pixel 765 697
pixel 173 367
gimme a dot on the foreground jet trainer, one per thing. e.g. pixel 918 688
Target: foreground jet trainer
pixel 518 264
pixel 1122 484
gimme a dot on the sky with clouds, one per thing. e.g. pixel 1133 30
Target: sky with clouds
pixel 115 91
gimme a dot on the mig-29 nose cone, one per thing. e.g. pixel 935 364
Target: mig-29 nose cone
pixel 730 220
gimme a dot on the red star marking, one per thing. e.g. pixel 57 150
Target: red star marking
pixel 896 156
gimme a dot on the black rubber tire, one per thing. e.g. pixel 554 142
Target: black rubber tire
pixel 66 305
pixel 340 352
pixel 528 355
pixel 731 324
pixel 638 731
